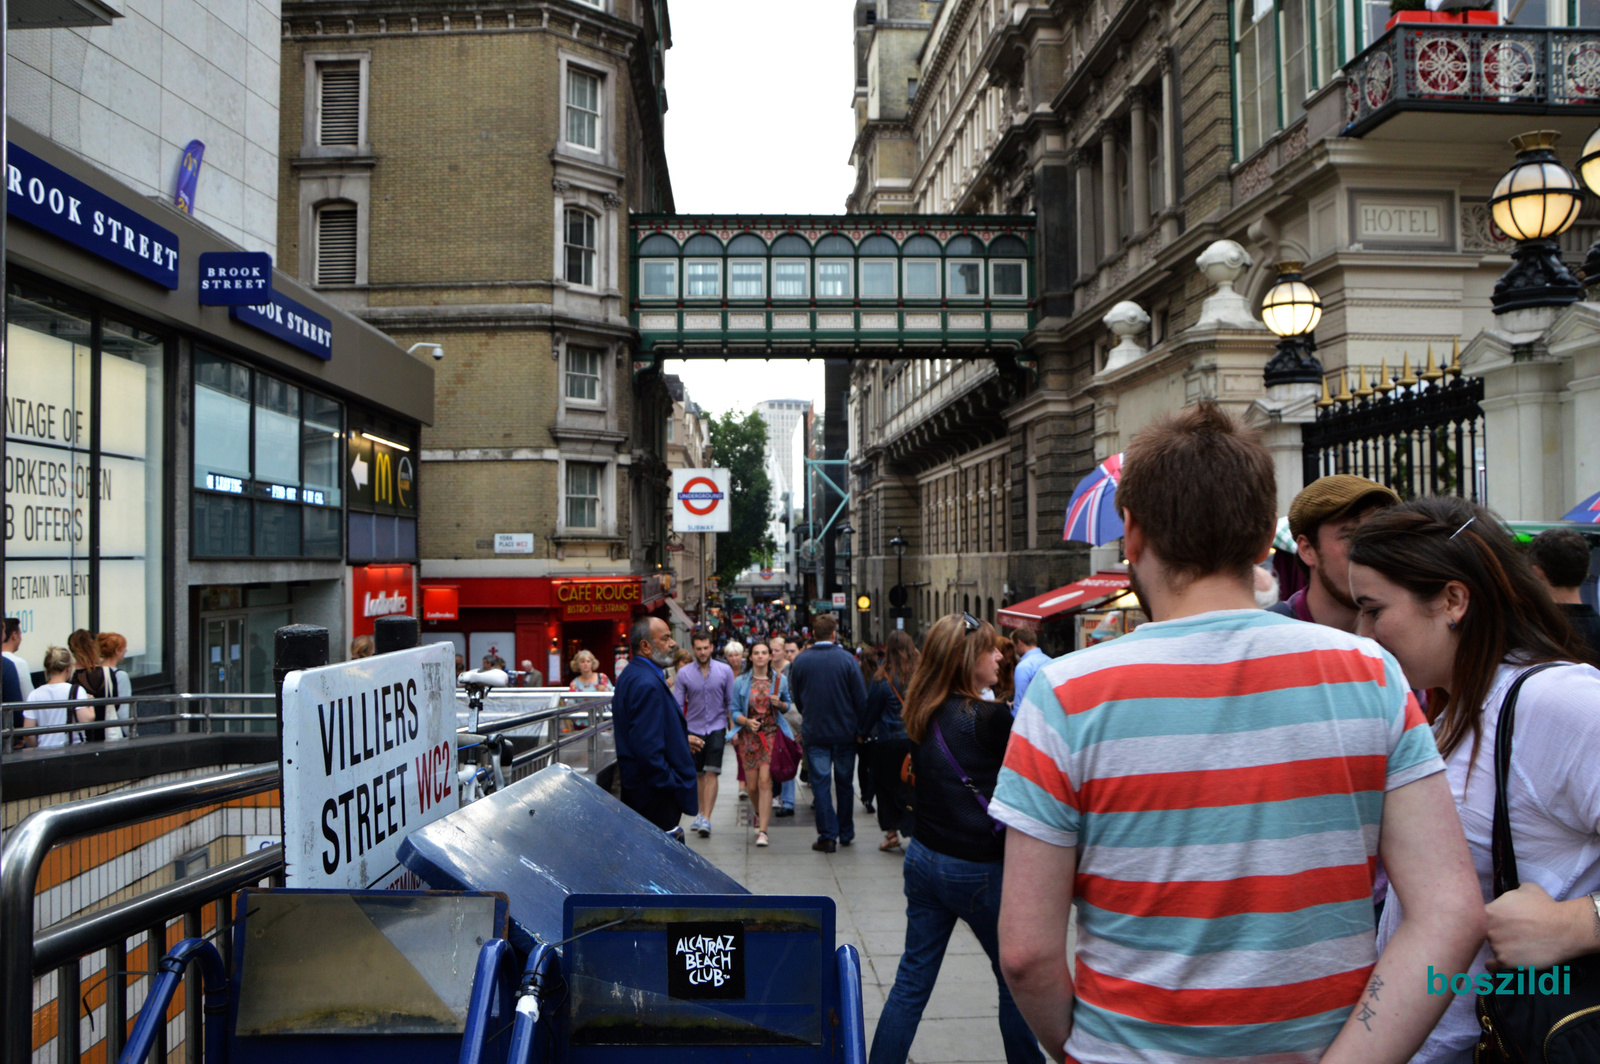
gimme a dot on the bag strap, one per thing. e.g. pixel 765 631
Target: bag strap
pixel 965 779
pixel 1504 854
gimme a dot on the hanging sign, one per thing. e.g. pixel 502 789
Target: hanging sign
pixel 63 206
pixel 290 322
pixel 700 500
pixel 189 176
pixel 235 278
pixel 369 756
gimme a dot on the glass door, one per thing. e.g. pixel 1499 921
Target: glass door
pixel 222 663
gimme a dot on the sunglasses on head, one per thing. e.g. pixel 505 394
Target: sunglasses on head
pixel 972 623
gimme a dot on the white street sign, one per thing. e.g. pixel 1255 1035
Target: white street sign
pixel 838 600
pixel 369 756
pixel 700 500
pixel 513 542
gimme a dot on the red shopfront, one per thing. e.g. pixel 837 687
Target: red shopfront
pixel 545 620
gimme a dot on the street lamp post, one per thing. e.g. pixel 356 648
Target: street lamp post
pixel 1292 309
pixel 899 544
pixel 845 532
pixel 1536 201
pixel 1589 174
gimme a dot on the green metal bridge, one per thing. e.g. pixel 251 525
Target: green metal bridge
pixel 881 285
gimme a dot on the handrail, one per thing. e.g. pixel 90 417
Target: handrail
pixel 491 985
pixel 28 843
pixel 213 986
pixel 61 943
pixel 852 1027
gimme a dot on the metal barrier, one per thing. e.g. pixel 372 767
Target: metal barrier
pixel 202 721
pixel 27 953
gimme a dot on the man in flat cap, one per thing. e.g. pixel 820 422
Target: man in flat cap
pixel 1321 519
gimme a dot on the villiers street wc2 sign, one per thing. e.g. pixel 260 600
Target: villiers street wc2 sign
pixel 369 756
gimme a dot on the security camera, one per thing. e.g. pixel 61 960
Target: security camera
pixel 437 350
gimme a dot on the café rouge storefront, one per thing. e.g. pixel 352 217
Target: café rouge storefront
pixel 542 620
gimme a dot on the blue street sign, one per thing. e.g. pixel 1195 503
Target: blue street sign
pixel 235 278
pixel 63 206
pixel 290 322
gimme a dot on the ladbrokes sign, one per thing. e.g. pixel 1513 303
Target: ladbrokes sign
pixel 582 600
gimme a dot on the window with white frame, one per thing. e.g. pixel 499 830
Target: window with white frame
pixel 583 494
pixel 922 279
pixel 659 278
pixel 1374 17
pixel 702 279
pixel 583 374
pixel 339 103
pixel 964 279
pixel 878 279
pixel 1327 26
pixel 747 279
pixel 1293 32
pixel 791 278
pixel 1008 280
pixel 583 109
pixel 1256 54
pixel 580 247
pixel 337 238
pixel 833 279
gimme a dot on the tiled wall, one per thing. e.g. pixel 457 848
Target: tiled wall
pixel 129 97
pixel 101 870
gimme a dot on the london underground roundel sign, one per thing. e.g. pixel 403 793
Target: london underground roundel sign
pixel 700 500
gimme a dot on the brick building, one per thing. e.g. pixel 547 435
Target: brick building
pixel 463 178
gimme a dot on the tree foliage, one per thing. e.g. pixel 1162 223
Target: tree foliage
pixel 739 445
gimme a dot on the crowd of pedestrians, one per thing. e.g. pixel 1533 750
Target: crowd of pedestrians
pixel 87 668
pixel 1274 820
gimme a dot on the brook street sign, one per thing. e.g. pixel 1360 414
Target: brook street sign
pixel 700 500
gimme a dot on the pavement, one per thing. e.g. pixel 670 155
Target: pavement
pixel 961 1021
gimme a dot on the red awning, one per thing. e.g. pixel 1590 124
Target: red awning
pixel 1085 593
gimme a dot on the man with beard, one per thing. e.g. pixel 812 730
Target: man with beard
pixel 1321 519
pixel 652 737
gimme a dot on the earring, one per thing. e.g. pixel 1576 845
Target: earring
pixel 1452 625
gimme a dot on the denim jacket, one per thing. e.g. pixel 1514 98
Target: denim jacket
pixel 741 701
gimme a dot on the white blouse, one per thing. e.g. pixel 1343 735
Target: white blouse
pixel 1555 812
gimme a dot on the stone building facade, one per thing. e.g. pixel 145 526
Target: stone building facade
pixel 463 178
pixel 1140 134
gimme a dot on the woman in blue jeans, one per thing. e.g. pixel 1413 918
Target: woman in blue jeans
pixel 952 866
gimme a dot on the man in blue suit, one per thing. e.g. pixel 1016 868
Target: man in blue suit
pixel 653 756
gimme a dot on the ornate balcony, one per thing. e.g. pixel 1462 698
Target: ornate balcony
pixel 1510 70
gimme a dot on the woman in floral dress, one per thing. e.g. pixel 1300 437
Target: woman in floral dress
pixel 759 697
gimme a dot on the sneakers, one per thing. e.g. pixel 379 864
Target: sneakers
pixel 761 838
pixel 703 826
pixel 825 846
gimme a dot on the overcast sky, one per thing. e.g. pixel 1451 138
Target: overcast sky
pixel 758 120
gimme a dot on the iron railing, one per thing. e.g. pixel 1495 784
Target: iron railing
pixel 133 934
pixel 201 720
pixel 1454 67
pixel 1420 435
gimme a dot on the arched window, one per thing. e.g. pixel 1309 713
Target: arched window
pixel 964 246
pixel 580 247
pixel 879 271
pixel 922 245
pixel 791 274
pixel 878 244
pixel 1008 247
pixel 1256 60
pixel 702 245
pixel 747 244
pixel 789 244
pixel 658 245
pixel 920 279
pixel 337 241
pixel 834 244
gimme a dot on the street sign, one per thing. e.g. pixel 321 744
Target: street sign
pixel 839 600
pixel 897 595
pixel 369 756
pixel 700 500
pixel 766 574
pixel 513 542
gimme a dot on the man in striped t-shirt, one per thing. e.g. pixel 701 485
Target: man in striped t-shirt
pixel 1213 790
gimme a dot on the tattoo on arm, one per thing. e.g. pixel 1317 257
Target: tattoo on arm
pixel 1366 1015
pixel 1373 988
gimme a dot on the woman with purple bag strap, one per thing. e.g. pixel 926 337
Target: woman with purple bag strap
pixel 953 864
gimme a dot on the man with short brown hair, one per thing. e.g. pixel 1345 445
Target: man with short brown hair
pixel 1213 789
pixel 1560 559
pixel 1321 519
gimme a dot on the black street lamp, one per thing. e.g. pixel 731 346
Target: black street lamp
pixel 845 532
pixel 1536 201
pixel 897 598
pixel 1292 309
pixel 1589 174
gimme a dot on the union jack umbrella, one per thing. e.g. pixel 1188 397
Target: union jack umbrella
pixel 1587 511
pixel 1092 516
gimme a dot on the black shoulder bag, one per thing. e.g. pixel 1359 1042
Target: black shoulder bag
pixel 1560 1028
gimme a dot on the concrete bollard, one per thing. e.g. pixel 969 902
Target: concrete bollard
pixel 294 647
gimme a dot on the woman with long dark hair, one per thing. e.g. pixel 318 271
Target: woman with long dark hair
pixel 760 698
pixel 885 702
pixel 952 867
pixel 1442 586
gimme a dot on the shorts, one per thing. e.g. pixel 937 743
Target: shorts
pixel 709 757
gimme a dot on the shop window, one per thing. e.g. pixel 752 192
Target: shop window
pixel 583 374
pixel 86 534
pixel 583 495
pixel 266 472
